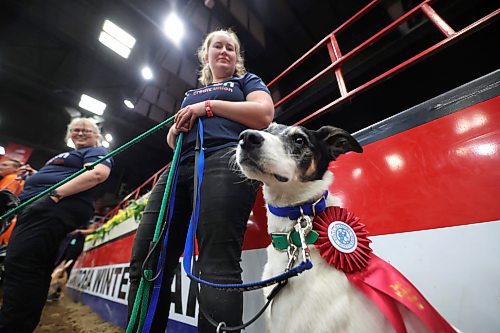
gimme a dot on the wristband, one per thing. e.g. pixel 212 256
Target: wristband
pixel 208 109
pixel 55 194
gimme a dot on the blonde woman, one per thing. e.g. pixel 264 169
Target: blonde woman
pixel 231 101
pixel 42 225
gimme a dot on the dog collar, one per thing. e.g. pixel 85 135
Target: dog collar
pixel 281 240
pixel 294 212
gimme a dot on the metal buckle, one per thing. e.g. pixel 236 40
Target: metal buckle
pixel 221 325
pixel 292 256
pixel 303 227
pixel 313 206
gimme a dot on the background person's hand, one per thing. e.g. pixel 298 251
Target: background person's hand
pixel 26 169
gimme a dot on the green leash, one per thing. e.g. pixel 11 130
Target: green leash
pixel 89 167
pixel 142 297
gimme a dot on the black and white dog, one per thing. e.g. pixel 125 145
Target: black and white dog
pixel 292 163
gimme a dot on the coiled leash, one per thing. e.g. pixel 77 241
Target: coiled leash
pixel 141 302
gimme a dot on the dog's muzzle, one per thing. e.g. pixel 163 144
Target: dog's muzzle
pixel 250 140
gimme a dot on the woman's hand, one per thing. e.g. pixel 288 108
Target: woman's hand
pixel 172 137
pixel 185 118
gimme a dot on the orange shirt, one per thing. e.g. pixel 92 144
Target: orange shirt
pixel 9 183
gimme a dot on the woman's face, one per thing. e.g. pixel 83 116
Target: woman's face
pixel 221 56
pixel 83 135
pixel 7 167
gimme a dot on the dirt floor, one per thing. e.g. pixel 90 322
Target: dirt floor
pixel 65 316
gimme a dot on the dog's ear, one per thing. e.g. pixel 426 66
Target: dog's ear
pixel 337 141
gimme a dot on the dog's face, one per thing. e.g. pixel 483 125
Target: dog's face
pixel 283 154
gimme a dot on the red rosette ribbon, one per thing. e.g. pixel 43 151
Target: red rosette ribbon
pixel 342 240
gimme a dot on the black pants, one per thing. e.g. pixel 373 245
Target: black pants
pixel 226 202
pixel 30 259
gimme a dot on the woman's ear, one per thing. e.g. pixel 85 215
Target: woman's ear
pixel 205 58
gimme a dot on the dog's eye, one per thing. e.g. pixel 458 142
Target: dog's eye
pixel 299 140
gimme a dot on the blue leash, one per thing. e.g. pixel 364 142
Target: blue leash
pixel 161 260
pixel 189 247
pixel 280 280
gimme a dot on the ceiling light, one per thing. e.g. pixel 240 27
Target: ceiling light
pixel 116 39
pixel 108 137
pixel 128 104
pixel 174 28
pixel 114 45
pixel 119 34
pixel 147 73
pixel 105 144
pixel 91 104
pixel 2 150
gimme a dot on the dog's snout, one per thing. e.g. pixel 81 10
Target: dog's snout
pixel 250 139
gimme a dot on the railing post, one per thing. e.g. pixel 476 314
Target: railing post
pixel 437 21
pixel 335 54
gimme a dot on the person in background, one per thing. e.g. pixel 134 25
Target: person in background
pixel 42 226
pixel 69 251
pixel 12 177
pixel 231 101
pixel 9 177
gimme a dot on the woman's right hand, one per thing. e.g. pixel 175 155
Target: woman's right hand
pixel 172 136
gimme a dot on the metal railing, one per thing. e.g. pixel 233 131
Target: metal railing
pixel 337 60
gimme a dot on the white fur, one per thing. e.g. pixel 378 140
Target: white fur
pixel 320 300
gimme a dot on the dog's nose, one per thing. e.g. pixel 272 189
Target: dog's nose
pixel 250 139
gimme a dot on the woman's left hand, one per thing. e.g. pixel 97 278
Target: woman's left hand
pixel 185 118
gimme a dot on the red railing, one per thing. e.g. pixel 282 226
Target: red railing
pixel 334 51
pixel 330 42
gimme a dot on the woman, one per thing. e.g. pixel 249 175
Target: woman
pixel 9 177
pixel 42 225
pixel 231 101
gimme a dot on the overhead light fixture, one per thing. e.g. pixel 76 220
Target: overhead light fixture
pixel 91 104
pixel 116 39
pixel 173 28
pixel 128 103
pixel 105 144
pixel 2 150
pixel 108 137
pixel 146 72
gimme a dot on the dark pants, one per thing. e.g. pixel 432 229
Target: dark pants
pixel 30 259
pixel 226 202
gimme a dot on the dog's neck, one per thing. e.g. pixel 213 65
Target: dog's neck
pixel 285 195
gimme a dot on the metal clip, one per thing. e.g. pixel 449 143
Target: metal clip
pixel 220 326
pixel 303 227
pixel 292 255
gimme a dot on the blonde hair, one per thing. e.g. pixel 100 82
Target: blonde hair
pixel 15 163
pixel 205 74
pixel 88 121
